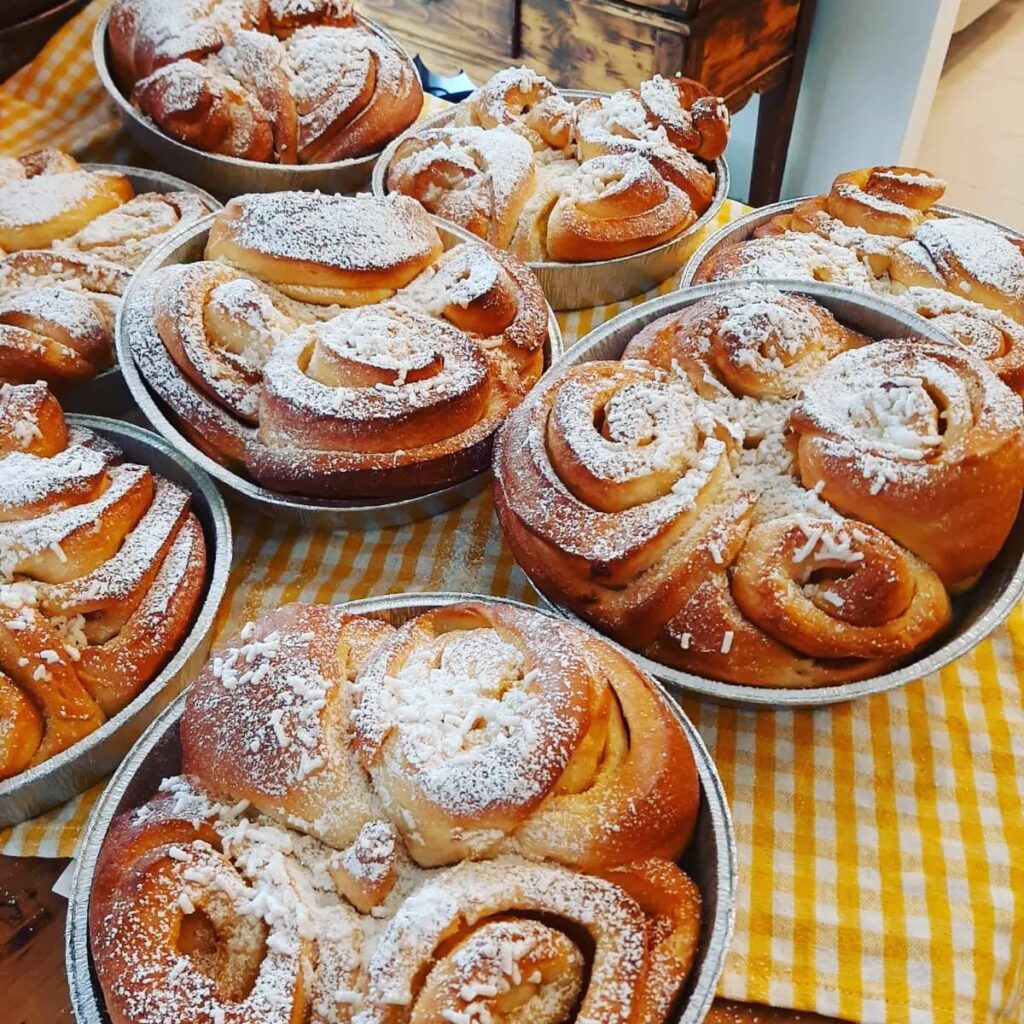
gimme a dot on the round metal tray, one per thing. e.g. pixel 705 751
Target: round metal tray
pixel 229 176
pixel 710 858
pixel 74 770
pixel 106 392
pixel 976 613
pixel 743 227
pixel 308 512
pixel 594 283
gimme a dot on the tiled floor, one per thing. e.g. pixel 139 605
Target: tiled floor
pixel 975 133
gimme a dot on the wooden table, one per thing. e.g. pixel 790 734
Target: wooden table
pixel 736 47
pixel 32 982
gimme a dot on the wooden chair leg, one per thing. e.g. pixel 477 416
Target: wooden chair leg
pixel 775 117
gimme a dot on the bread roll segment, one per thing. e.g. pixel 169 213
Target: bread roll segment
pixel 554 179
pixel 757 494
pixel 472 816
pixel 329 346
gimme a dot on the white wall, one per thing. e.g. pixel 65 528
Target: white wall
pixel 869 81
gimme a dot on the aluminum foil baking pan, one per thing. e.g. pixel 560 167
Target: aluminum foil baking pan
pixel 976 613
pixel 106 394
pixel 743 227
pixel 228 176
pixel 595 283
pixel 74 770
pixel 308 512
pixel 710 859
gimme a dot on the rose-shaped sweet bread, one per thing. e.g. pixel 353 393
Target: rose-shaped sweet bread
pixel 354 91
pixel 526 102
pixel 990 334
pixel 324 753
pixel 884 200
pixel 759 494
pixel 790 256
pixel 970 258
pixel 478 179
pixel 279 81
pixel 101 568
pixel 57 314
pixel 871 211
pixel 398 394
pixel 691 116
pixel 534 754
pixel 620 124
pixel 610 487
pixel 197 912
pixel 266 720
pixel 470 943
pixel 319 385
pixel 491 297
pixel 925 443
pixel 753 341
pixel 614 206
pixel 805 601
pixel 532 171
pixel 69 241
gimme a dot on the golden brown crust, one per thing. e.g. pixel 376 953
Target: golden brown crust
pixel 47 207
pixel 692 117
pixel 382 399
pixel 878 230
pixel 479 179
pixel 264 81
pixel 101 569
pixel 969 258
pixel 525 102
pixel 615 206
pixel 528 170
pixel 326 249
pixel 736 497
pixel 477 730
pixel 932 429
pixel 222 117
pixel 318 782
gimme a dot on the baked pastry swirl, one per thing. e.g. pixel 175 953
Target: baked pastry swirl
pixel 69 240
pixel 102 566
pixel 529 170
pixel 281 81
pixel 877 230
pixel 330 347
pixel 758 494
pixel 472 817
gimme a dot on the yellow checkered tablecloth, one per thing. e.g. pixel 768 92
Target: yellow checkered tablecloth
pixel 881 844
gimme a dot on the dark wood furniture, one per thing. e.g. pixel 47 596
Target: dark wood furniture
pixel 32 977
pixel 26 26
pixel 736 47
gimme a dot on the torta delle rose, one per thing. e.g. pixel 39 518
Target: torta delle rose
pixel 69 241
pixel 548 178
pixel 102 566
pixel 473 817
pixel 275 81
pixel 877 230
pixel 756 493
pixel 330 347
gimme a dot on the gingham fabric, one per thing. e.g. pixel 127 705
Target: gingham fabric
pixel 880 844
